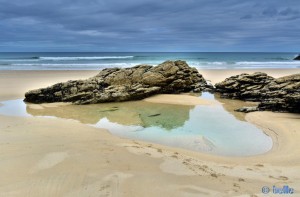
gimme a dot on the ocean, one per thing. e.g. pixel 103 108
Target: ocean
pixel 100 60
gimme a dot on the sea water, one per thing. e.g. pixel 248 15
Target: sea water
pixel 100 60
pixel 212 129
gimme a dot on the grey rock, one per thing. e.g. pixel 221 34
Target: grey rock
pixel 116 84
pixel 281 94
pixel 244 86
pixel 247 109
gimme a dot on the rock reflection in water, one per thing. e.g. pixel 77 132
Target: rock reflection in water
pixel 208 128
pixel 232 104
pixel 139 113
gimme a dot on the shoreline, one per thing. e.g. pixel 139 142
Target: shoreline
pixel 42 154
pixel 10 80
pixel 44 78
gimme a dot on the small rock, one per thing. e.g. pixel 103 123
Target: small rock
pixel 153 115
pixel 247 109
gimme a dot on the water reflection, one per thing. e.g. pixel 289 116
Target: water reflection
pixel 215 129
pixel 139 113
pixel 231 104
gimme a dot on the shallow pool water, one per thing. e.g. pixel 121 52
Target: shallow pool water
pixel 205 128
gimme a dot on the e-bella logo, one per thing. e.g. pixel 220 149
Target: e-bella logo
pixel 278 190
pixel 284 190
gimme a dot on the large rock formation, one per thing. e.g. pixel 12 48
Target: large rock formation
pixel 297 58
pixel 282 94
pixel 115 84
pixel 244 86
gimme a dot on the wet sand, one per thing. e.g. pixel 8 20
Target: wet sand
pixel 54 157
pixel 180 99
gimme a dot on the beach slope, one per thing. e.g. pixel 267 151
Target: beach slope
pixel 55 157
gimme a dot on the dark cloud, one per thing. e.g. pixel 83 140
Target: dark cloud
pixel 288 12
pixel 247 16
pixel 270 12
pixel 149 25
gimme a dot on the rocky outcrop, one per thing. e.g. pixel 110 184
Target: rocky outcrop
pixel 244 86
pixel 115 84
pixel 247 109
pixel 297 58
pixel 281 94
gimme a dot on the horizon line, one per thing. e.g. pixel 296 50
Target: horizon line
pixel 149 52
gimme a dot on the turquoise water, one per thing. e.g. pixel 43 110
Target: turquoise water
pixel 211 129
pixel 92 61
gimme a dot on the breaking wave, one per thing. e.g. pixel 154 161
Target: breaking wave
pixel 84 58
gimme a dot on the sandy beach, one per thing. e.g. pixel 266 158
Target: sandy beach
pixel 55 157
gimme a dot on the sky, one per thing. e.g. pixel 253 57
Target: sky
pixel 150 25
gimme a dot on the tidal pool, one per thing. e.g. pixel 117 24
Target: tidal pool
pixel 214 129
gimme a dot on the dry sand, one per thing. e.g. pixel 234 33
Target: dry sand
pixel 54 157
pixel 13 84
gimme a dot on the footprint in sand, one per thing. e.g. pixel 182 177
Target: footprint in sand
pixel 259 165
pixel 174 166
pixel 113 182
pixel 147 150
pixel 282 178
pixel 236 185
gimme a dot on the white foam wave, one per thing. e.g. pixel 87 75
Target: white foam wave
pixel 45 66
pixel 19 60
pixel 81 65
pixel 200 65
pixel 245 65
pixel 268 63
pixel 85 58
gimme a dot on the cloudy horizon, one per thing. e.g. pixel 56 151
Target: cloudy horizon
pixel 150 25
